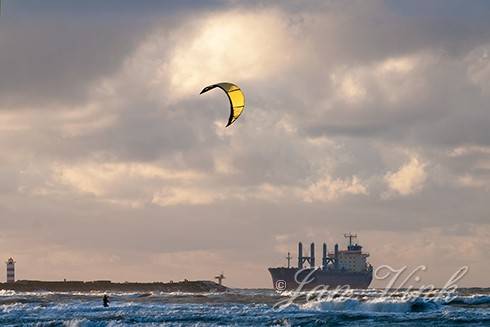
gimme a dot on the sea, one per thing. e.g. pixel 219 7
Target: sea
pixel 247 307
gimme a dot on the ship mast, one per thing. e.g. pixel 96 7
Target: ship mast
pixel 350 236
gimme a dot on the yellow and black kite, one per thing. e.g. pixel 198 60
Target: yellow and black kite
pixel 236 97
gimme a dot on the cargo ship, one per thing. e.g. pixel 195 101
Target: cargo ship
pixel 340 268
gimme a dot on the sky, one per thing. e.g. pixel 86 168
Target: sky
pixel 369 117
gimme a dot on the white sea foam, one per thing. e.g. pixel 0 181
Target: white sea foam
pixel 380 304
pixel 76 323
pixel 7 293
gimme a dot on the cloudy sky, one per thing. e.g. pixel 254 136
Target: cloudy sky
pixel 364 116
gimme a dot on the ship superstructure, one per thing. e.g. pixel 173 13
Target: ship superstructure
pixel 347 267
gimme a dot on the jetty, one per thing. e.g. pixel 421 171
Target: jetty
pixel 199 286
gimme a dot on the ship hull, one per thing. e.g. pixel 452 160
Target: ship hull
pixel 306 279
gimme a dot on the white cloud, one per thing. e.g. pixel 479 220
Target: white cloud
pixel 84 120
pixel 328 189
pixel 410 178
pixel 469 150
pixel 185 196
pixel 389 80
pixel 350 87
pixel 470 181
pixel 132 184
pixel 478 70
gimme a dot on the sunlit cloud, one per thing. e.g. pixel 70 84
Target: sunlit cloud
pixel 227 46
pixel 410 178
pixel 185 196
pixel 390 80
pixel 479 67
pixel 134 184
pixel 328 189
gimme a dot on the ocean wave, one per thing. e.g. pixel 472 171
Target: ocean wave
pixel 239 308
pixel 10 293
pixel 475 299
pixel 379 305
pixel 76 323
pixel 7 293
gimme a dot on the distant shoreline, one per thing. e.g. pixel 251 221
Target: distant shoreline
pixel 199 286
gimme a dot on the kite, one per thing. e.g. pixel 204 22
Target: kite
pixel 236 97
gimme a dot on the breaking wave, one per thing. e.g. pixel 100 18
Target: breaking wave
pixel 380 305
pixel 476 299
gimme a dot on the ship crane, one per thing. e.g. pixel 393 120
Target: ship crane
pixel 302 259
pixel 220 278
pixel 289 257
pixel 325 259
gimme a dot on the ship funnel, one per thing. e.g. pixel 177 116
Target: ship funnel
pixel 312 255
pixel 324 257
pixel 300 255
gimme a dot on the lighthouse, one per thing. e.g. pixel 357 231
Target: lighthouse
pixel 10 270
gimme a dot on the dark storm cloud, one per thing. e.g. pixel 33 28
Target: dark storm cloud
pixel 52 51
pixel 55 61
pixel 372 30
pixel 133 9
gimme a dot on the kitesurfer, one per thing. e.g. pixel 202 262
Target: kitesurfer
pixel 105 300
